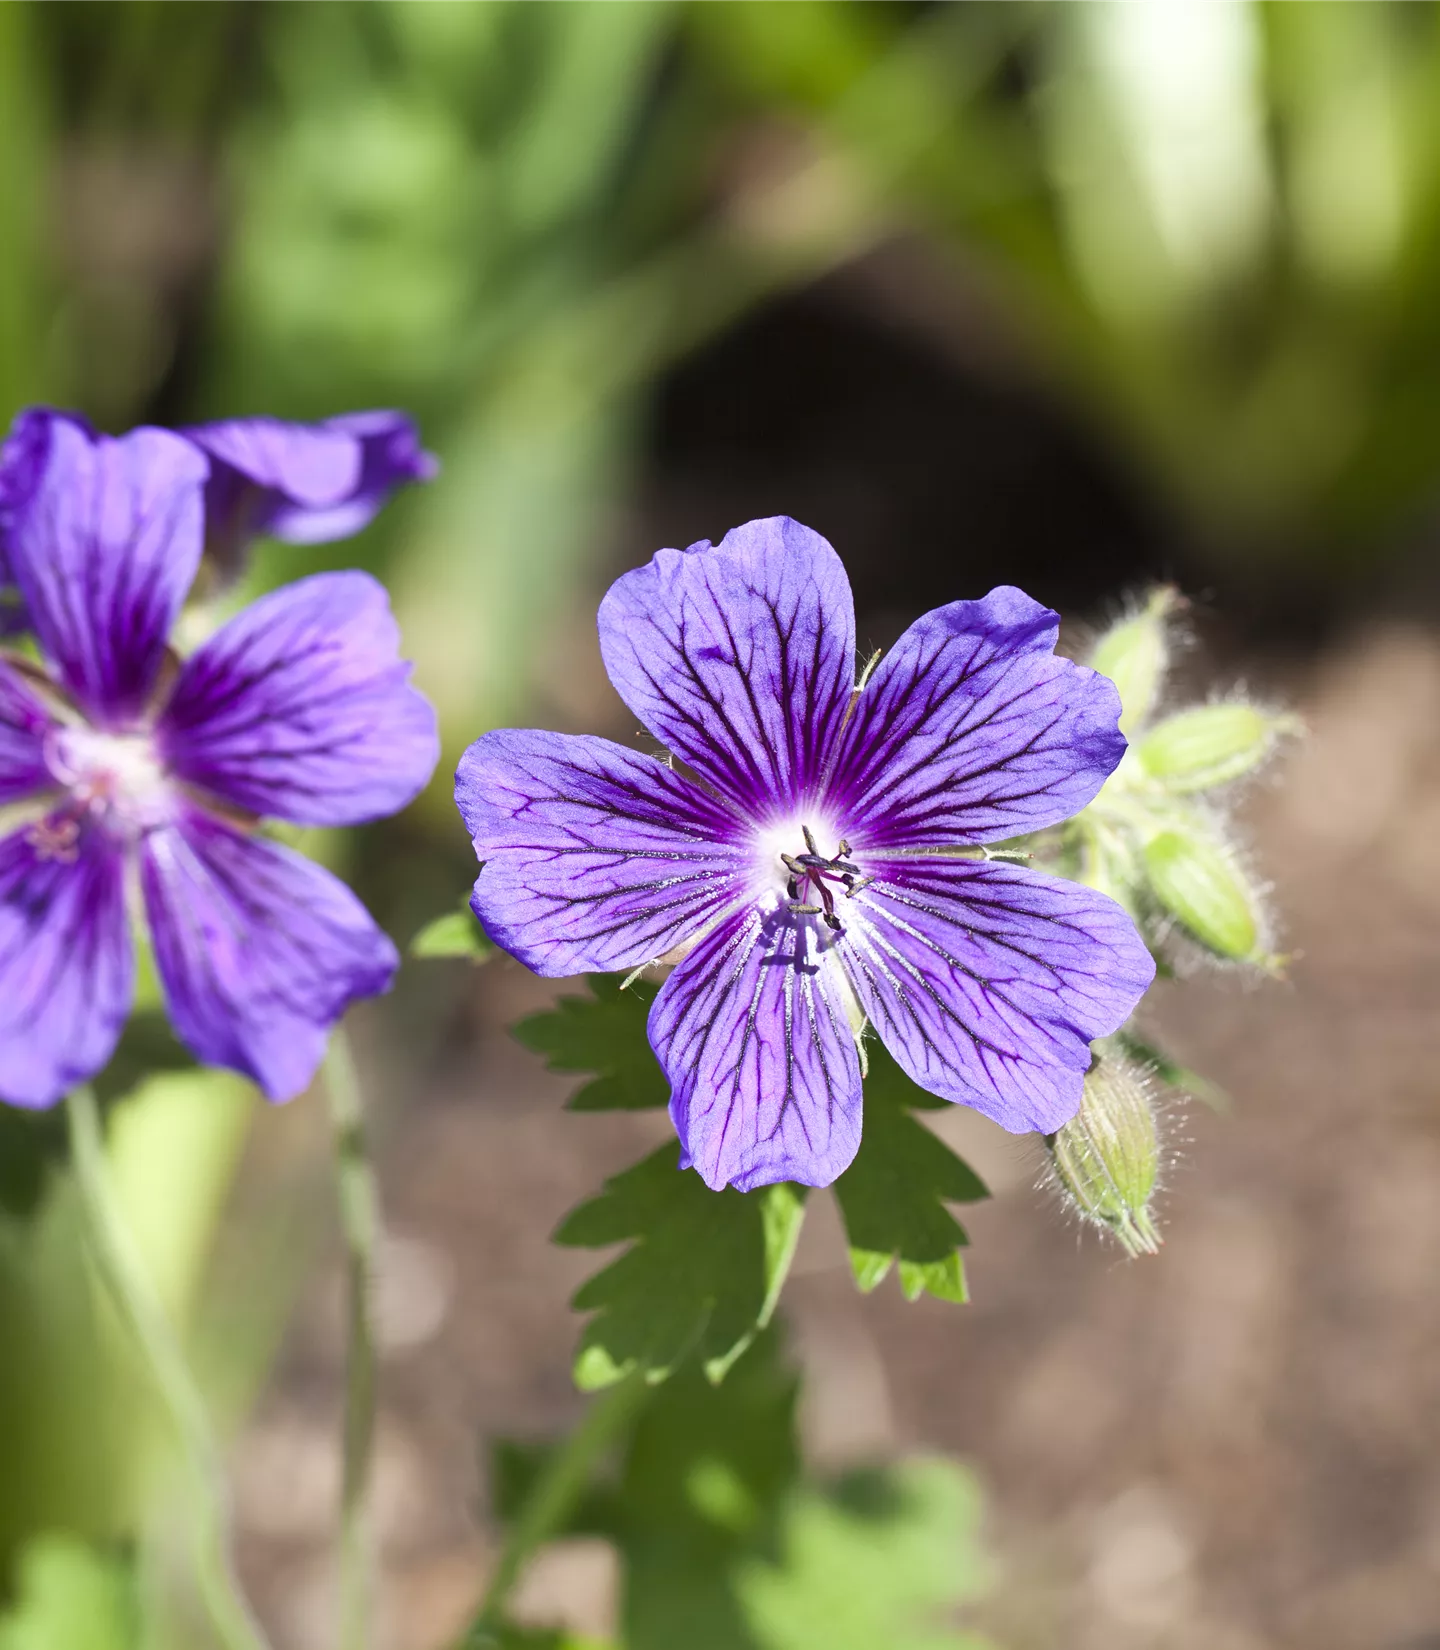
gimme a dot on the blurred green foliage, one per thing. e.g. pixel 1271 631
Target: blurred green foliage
pixel 726 1543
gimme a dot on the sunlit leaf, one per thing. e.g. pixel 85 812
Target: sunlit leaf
pixel 881 1560
pixel 70 1597
pixel 456 934
pixel 703 1271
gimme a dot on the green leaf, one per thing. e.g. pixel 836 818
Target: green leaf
pixel 513 1637
pixel 879 1561
pixel 724 1546
pixel 703 1272
pixel 70 1597
pixel 603 1034
pixel 702 1485
pixel 456 934
pixel 893 1196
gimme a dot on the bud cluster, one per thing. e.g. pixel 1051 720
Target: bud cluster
pixel 1157 838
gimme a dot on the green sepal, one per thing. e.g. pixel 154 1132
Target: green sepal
pixel 456 934
pixel 892 1197
pixel 703 1271
pixel 1195 879
pixel 1209 745
pixel 603 1034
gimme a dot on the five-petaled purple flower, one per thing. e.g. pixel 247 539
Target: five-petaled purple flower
pixel 816 865
pixel 139 778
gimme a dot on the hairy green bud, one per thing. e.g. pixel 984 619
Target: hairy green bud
pixel 1210 745
pixel 1195 878
pixel 1107 1157
pixel 1134 654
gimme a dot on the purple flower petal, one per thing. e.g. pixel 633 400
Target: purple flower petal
pixel 104 548
pixel 67 965
pixel 22 463
pixel 24 727
pixel 259 951
pixel 595 857
pixel 304 483
pixel 972 730
pixel 761 1058
pixel 987 982
pixel 301 708
pixel 740 658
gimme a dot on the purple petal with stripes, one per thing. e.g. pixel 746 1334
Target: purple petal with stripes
pixel 595 857
pixel 972 730
pixel 764 1073
pixel 304 483
pixel 104 548
pixel 67 966
pixel 987 982
pixel 22 463
pixel 259 951
pixel 740 658
pixel 24 727
pixel 300 707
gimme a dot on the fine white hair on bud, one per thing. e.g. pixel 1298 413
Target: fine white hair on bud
pixel 1135 654
pixel 1106 1161
pixel 1205 747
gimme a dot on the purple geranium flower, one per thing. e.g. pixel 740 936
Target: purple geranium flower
pixel 811 866
pixel 139 779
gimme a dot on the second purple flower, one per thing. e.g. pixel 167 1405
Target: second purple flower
pixel 817 868
pixel 139 779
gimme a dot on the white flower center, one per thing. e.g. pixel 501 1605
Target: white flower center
pixel 117 775
pixel 807 867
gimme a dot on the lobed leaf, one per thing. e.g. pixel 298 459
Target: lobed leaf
pixel 602 1034
pixel 880 1560
pixel 892 1197
pixel 703 1271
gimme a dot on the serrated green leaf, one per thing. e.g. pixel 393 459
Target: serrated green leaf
pixel 878 1562
pixel 68 1596
pixel 892 1197
pixel 604 1034
pixel 703 1272
pixel 456 934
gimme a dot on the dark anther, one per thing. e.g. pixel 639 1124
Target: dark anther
pixel 811 873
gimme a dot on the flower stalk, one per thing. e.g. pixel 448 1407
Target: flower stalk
pixel 359 1202
pixel 560 1484
pixel 133 1294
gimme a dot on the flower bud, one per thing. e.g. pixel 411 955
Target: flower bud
pixel 1134 653
pixel 1210 745
pixel 1107 1157
pixel 1195 879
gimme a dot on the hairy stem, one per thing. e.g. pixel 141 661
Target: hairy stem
pixel 133 1293
pixel 360 1222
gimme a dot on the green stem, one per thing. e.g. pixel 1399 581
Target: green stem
pixel 135 1298
pixel 360 1222
pixel 561 1483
